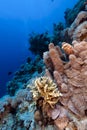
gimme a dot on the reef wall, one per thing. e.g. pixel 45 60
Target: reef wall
pixel 57 100
pixel 51 96
pixel 71 14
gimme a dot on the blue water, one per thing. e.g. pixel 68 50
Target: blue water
pixel 17 19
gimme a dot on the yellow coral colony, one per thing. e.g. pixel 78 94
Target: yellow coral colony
pixel 46 88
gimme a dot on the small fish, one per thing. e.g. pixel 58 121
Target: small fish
pixel 9 73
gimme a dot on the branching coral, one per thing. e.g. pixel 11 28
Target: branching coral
pixel 45 96
pixel 47 89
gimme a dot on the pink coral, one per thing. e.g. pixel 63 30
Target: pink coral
pixel 71 79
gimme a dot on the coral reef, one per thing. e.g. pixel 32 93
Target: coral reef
pixel 78 29
pixel 75 29
pixel 57 29
pixel 19 112
pixel 24 74
pixel 51 96
pixel 45 96
pixel 71 79
pixel 76 21
pixel 71 14
pixel 44 87
pixel 58 100
pixel 39 43
pixel 15 112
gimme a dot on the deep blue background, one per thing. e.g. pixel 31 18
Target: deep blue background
pixel 17 19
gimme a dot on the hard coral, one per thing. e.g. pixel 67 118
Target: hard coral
pixel 47 89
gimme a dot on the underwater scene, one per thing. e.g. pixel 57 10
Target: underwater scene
pixel 43 65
